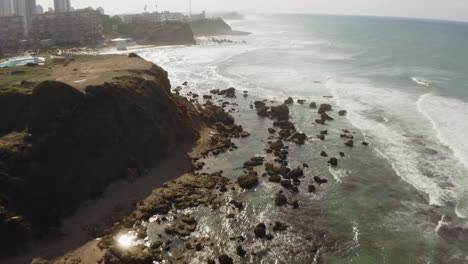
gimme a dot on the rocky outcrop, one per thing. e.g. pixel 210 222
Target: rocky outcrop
pixel 168 33
pixel 210 27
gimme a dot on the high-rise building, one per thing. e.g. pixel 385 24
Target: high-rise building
pixel 39 9
pixel 62 6
pixel 11 32
pixel 6 8
pixel 25 8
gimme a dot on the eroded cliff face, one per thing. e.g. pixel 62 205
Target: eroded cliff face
pixel 168 33
pixel 63 145
pixel 210 27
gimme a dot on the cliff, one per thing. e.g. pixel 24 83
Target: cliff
pixel 167 33
pixel 87 121
pixel 210 27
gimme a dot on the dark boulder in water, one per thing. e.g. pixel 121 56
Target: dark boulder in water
pixel 321 137
pixel 342 154
pixel 299 138
pixel 225 259
pixel 365 143
pixel 312 188
pixel 284 133
pixel 248 181
pixel 301 101
pixel 324 108
pixel 279 227
pixel 263 111
pixel 275 178
pixel 333 162
pixel 313 105
pixel 320 180
pixel 320 121
pixel 271 130
pixel 289 101
pixel 325 116
pixel 240 251
pixel 280 112
pixel 349 143
pixel 230 92
pixel 281 199
pixel 286 184
pixel 324 154
pixel 342 112
pixel 259 104
pixel 324 132
pixel 296 173
pixel 260 230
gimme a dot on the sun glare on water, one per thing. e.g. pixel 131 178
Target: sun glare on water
pixel 126 240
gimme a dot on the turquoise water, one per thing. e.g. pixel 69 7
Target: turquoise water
pixel 405 85
pixel 21 62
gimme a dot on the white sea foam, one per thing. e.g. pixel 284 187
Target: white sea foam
pixel 400 140
pixel 421 81
pixel 338 174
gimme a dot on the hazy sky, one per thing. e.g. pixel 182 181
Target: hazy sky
pixel 437 9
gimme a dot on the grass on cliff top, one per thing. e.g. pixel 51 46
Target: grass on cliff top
pixel 21 79
pixel 9 142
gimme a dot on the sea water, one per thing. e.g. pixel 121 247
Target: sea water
pixel 404 84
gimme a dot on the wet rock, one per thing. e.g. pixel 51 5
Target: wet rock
pixel 281 199
pixel 296 173
pixel 215 91
pixel 299 138
pixel 311 188
pixel 324 154
pixel 275 178
pixel 259 104
pixel 320 121
pixel 342 154
pixel 284 133
pixel 333 162
pixel 239 205
pixel 210 261
pixel 321 137
pixel 225 259
pixel 284 124
pixel 349 143
pixel 289 101
pixel 248 181
pixel 271 130
pixel 279 227
pixel 324 132
pixel 244 134
pixel 342 112
pixel 301 101
pixel 276 145
pixel 280 112
pixel 185 83
pixel 295 204
pixel 365 143
pixel 230 92
pixel 319 180
pixel 263 111
pixel 253 162
pixel 207 97
pixel 305 165
pixel 286 184
pixel 313 105
pixel 326 117
pixel 181 228
pixel 324 108
pixel 240 251
pixel 260 230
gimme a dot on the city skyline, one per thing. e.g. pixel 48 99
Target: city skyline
pixel 431 9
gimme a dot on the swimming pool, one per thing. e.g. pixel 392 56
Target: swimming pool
pixel 22 61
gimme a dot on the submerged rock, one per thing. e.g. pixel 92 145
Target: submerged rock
pixel 230 92
pixel 320 180
pixel 301 101
pixel 259 104
pixel 324 154
pixel 333 162
pixel 289 101
pixel 278 227
pixel 260 230
pixel 324 108
pixel 280 112
pixel 281 199
pixel 225 259
pixel 248 181
pixel 240 251
pixel 271 130
pixel 342 112
pixel 313 105
pixel 349 143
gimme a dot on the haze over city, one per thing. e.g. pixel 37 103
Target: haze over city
pixel 434 9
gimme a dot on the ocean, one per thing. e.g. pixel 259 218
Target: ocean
pixel 404 83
